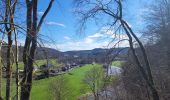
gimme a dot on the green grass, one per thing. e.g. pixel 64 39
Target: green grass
pixel 117 63
pixel 40 88
pixel 37 63
pixel 13 86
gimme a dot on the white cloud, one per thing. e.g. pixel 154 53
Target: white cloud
pixel 40 13
pixel 67 38
pixel 84 45
pixel 118 43
pixel 119 36
pixel 80 45
pixel 89 43
pixel 55 24
pixel 96 35
pixel 106 30
pixel 109 33
pixel 130 25
pixel 88 40
pixel 100 39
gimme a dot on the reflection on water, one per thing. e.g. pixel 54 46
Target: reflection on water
pixel 113 70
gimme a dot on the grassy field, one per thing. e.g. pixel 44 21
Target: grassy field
pixel 117 63
pixel 75 85
pixel 40 89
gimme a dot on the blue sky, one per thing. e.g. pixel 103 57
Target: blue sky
pixel 60 26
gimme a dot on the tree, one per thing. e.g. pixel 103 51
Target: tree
pixel 9 18
pixel 17 67
pixel 158 25
pixel 33 28
pixel 8 28
pixel 30 45
pixel 112 9
pixel 59 88
pixel 2 32
pixel 94 79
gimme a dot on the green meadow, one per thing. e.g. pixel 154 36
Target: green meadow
pixel 74 77
pixel 40 88
pixel 117 63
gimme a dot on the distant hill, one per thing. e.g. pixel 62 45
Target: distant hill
pixel 98 55
pixel 40 53
pixel 43 52
pixel 96 51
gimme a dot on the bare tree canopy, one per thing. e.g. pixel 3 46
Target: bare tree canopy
pixel 91 9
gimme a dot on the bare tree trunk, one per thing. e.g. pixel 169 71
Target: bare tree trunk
pixel 9 17
pixel 95 96
pixel 147 76
pixel 1 68
pixel 100 7
pixel 8 68
pixel 1 65
pixel 17 69
pixel 31 40
pixel 24 89
pixel 0 78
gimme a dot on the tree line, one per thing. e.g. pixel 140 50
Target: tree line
pixel 9 28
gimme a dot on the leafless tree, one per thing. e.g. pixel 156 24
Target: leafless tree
pixel 93 9
pixel 30 45
pixel 1 65
pixel 159 23
pixel 94 79
pixel 1 42
pixel 59 88
pixel 157 33
pixel 17 67
pixel 9 18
